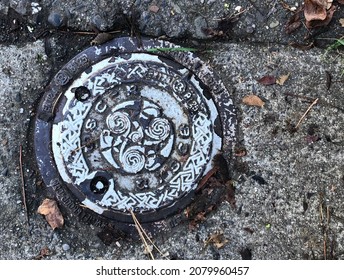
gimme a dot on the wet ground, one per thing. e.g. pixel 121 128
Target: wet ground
pixel 283 194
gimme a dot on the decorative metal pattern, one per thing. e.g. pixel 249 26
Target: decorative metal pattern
pixel 130 130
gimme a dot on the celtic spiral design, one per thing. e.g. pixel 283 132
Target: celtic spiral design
pixel 136 136
pixel 159 129
pixel 133 159
pixel 118 122
pixel 153 137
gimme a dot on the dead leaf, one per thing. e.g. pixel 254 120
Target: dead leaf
pixel 52 213
pixel 230 194
pixel 341 21
pixel 293 26
pixel 213 32
pixel 315 9
pixel 43 253
pixel 267 80
pixel 329 4
pixel 206 177
pixel 253 100
pixel 322 22
pixel 240 151
pixel 293 23
pixel 217 239
pixel 282 79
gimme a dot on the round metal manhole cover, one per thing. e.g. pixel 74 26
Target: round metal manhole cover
pixel 131 125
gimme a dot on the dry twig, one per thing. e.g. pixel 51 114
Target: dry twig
pixel 310 100
pixel 23 186
pixel 206 178
pixel 307 111
pixel 85 145
pixel 144 236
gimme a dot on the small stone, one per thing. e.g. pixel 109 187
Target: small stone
pixel 20 6
pixel 238 9
pixel 99 22
pixel 35 8
pixel 18 97
pixel 250 28
pixel 274 24
pixel 153 8
pixel 4 8
pixel 21 110
pixel 65 247
pixel 176 8
pixel 200 25
pixel 55 19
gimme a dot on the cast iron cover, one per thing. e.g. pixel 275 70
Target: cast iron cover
pixel 131 125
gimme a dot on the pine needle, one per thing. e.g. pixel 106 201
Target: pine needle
pixel 178 49
pixel 141 235
pixel 144 236
pixel 307 111
pixel 23 187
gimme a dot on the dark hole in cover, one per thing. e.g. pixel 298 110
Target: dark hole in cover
pixel 99 185
pixel 81 93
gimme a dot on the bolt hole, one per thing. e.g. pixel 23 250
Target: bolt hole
pixel 82 93
pixel 99 185
pixel 142 184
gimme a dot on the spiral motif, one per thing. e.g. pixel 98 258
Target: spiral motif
pixel 133 160
pixel 118 122
pixel 136 136
pixel 159 129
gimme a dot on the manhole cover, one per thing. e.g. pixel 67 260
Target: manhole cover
pixel 131 126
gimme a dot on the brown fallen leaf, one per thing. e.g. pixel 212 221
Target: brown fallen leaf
pixel 293 26
pixel 282 79
pixel 267 80
pixel 294 22
pixel 52 213
pixel 240 151
pixel 325 22
pixel 253 100
pixel 43 253
pixel 217 239
pixel 315 10
pixel 329 4
pixel 213 32
pixel 206 177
